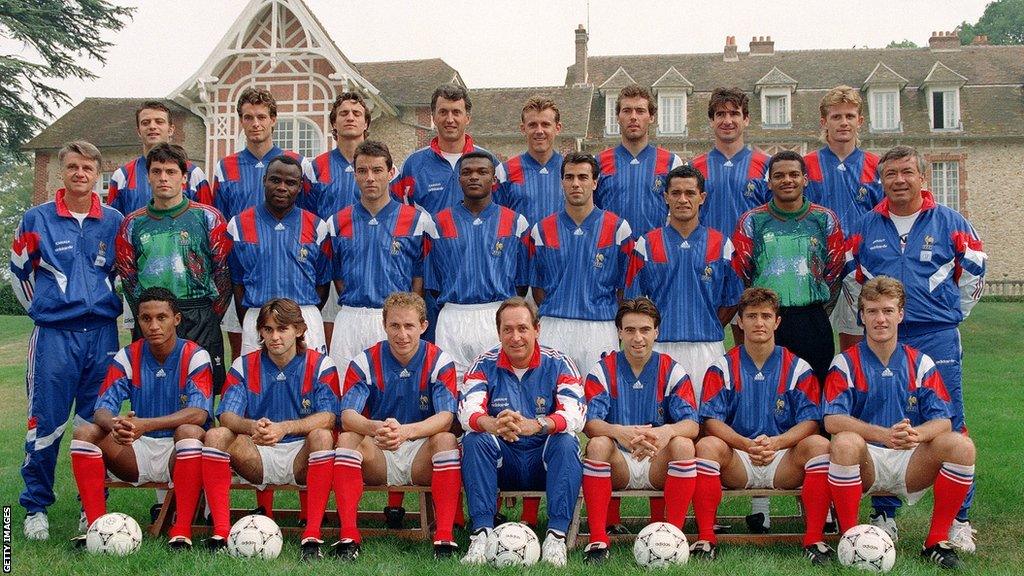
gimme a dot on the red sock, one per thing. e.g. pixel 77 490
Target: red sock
pixel 846 488
pixel 319 477
pixel 615 511
pixel 445 486
pixel 680 483
pixel 90 473
pixel 657 508
pixel 265 499
pixel 348 489
pixel 706 498
pixel 531 508
pixel 597 494
pixel 217 487
pixel 815 496
pixel 460 514
pixel 951 486
pixel 396 499
pixel 304 499
pixel 188 481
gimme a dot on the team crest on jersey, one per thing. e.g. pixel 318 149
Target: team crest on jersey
pixel 183 238
pixel 814 241
pixel 183 400
pixel 749 192
pixel 499 246
pixel 862 193
pixel 780 405
pixel 101 254
pixel 424 402
pixel 307 406
pixel 303 253
pixel 541 404
pixel 396 247
pixel 145 237
pixel 599 261
pixel 929 242
pixel 658 184
pixel 708 273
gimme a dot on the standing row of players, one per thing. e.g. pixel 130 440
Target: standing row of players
pixel 478 247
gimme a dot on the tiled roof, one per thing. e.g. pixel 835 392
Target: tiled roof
pixel 496 111
pixel 672 78
pixel 882 74
pixel 409 82
pixel 941 74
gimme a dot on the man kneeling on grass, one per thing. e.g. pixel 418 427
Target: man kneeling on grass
pixel 279 406
pixel 398 405
pixel 168 383
pixel 641 421
pixel 760 411
pixel 889 415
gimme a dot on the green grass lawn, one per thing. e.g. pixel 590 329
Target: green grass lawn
pixel 994 396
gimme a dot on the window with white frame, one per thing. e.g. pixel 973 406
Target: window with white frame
pixel 944 108
pixel 672 113
pixel 611 119
pixel 300 135
pixel 775 111
pixel 103 185
pixel 884 108
pixel 946 183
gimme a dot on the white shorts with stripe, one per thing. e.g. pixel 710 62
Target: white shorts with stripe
pixel 152 456
pixel 639 471
pixel 278 463
pixel 582 340
pixel 466 331
pixel 760 476
pixel 230 322
pixel 314 330
pixel 844 315
pixel 355 330
pixel 891 472
pixel 694 357
pixel 331 307
pixel 399 462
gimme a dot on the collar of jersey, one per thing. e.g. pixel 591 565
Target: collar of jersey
pixel 95 211
pixel 436 147
pixel 504 362
pixel 621 148
pixel 928 204
pixel 784 215
pixel 172 212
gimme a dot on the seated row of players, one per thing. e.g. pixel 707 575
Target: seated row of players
pixel 522 405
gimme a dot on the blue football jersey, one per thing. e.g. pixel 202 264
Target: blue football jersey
pixel 429 181
pixel 850 187
pixel 733 185
pixel 634 186
pixel 333 185
pixel 531 188
pixel 661 394
pixel 238 180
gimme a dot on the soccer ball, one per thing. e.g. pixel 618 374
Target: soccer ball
pixel 660 544
pixel 255 536
pixel 513 544
pixel 867 547
pixel 115 533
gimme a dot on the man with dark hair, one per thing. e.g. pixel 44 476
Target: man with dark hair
pixel 578 261
pixel 633 173
pixel 760 413
pixel 795 248
pixel 169 386
pixel 531 185
pixel 62 272
pixel 279 406
pixel 129 187
pixel 521 405
pixel 476 257
pixel 180 245
pixel 280 251
pixel 641 421
pixel 937 255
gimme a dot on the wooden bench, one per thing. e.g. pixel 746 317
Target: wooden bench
pixel 163 518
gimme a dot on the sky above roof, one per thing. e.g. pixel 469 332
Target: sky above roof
pixel 519 43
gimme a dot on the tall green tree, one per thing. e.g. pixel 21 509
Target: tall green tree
pixel 1002 22
pixel 55 35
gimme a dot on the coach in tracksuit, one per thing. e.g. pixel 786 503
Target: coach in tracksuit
pixel 62 264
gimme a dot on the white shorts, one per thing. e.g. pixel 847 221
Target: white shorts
pixel 891 472
pixel 278 463
pixel 760 476
pixel 694 357
pixel 399 462
pixel 151 458
pixel 127 318
pixel 230 322
pixel 844 315
pixel 331 307
pixel 639 471
pixel 466 331
pixel 314 330
pixel 582 340
pixel 355 330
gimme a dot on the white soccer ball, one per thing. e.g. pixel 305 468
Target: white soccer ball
pixel 660 544
pixel 867 547
pixel 255 536
pixel 513 544
pixel 115 533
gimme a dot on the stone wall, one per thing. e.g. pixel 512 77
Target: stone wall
pixel 995 202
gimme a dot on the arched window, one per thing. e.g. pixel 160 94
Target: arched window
pixel 300 135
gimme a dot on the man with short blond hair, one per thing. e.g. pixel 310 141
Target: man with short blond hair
pixel 531 185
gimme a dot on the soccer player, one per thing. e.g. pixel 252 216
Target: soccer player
pixel 937 255
pixel 279 406
pixel 129 188
pixel 238 179
pixel 334 185
pixel 377 249
pixel 475 258
pixel 632 182
pixel 844 179
pixel 397 407
pixel 641 421
pixel 889 415
pixel 280 250
pixel 62 272
pixel 795 248
pixel 760 412
pixel 686 269
pixel 521 405
pixel 578 262
pixel 169 385
pixel 181 245
pixel 734 174
pixel 531 184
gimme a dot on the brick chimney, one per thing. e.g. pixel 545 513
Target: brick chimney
pixel 980 40
pixel 581 77
pixel 730 54
pixel 762 46
pixel 944 41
